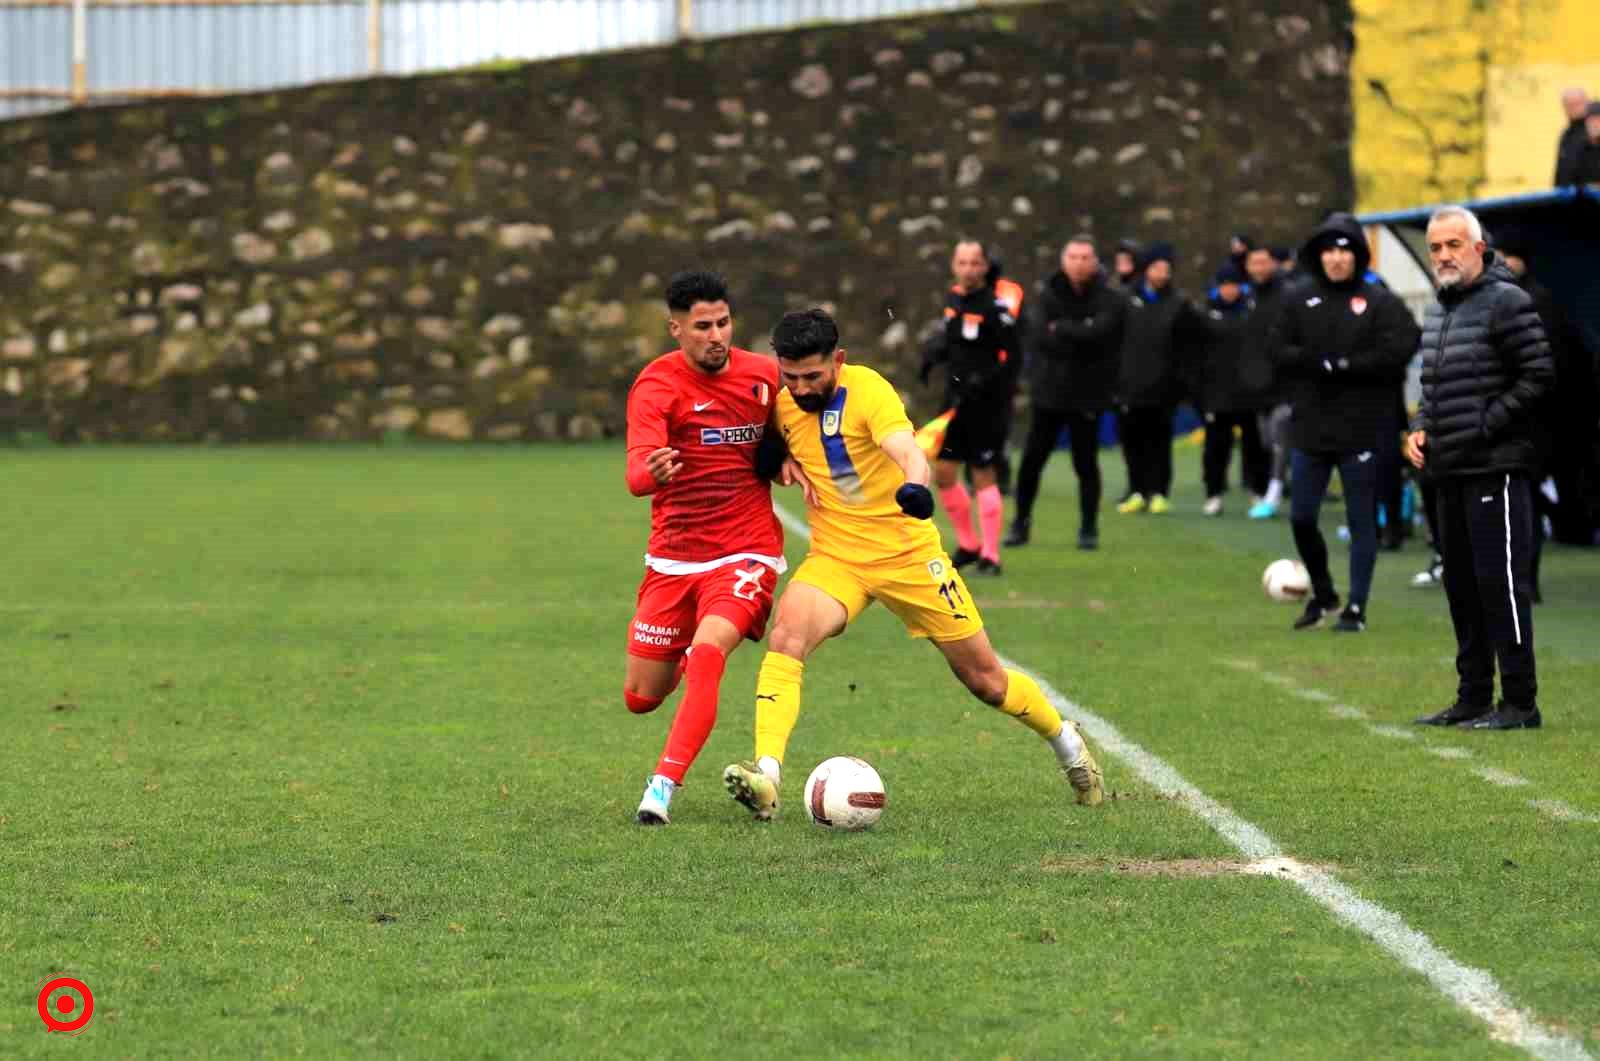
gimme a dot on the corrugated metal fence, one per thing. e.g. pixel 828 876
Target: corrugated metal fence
pixel 61 53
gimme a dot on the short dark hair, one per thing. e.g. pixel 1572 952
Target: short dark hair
pixel 805 333
pixel 1081 237
pixel 695 285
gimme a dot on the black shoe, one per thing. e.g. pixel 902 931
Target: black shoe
pixel 1352 620
pixel 1505 717
pixel 1454 715
pixel 1019 533
pixel 1088 540
pixel 987 566
pixel 962 557
pixel 1316 611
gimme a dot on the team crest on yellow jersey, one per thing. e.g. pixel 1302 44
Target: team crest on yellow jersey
pixel 830 421
pixel 936 569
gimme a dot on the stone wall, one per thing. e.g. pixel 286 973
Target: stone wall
pixel 483 255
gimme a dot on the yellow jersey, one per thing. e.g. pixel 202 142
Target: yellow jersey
pixel 856 519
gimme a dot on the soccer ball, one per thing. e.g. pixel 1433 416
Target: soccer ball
pixel 1286 580
pixel 844 793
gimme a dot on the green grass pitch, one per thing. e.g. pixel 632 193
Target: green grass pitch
pixel 322 751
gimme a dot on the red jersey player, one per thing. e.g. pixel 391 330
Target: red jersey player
pixel 696 419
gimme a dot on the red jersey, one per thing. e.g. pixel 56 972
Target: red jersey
pixel 716 510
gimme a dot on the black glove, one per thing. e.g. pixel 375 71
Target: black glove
pixel 915 500
pixel 771 452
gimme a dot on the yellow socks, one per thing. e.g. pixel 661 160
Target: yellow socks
pixel 1024 702
pixel 778 703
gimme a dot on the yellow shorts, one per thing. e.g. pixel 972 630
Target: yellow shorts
pixel 927 595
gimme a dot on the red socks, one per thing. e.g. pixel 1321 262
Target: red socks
pixel 991 513
pixel 958 504
pixel 697 712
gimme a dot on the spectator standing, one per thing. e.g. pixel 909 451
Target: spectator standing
pixel 1341 346
pixel 1267 293
pixel 1125 265
pixel 1569 149
pixel 1158 320
pixel 1485 370
pixel 1568 412
pixel 1074 341
pixel 1586 166
pixel 1230 391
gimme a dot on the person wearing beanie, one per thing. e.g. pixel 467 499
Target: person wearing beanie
pixel 1341 346
pixel 1158 319
pixel 1228 395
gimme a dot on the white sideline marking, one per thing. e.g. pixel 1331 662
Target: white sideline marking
pixel 1450 753
pixel 1474 990
pixel 1500 777
pixel 1315 695
pixel 1394 732
pixel 1346 711
pixel 1240 664
pixel 1563 812
pixel 1283 681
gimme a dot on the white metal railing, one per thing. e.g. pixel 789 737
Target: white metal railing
pixel 108 62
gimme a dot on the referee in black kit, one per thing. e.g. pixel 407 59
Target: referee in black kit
pixel 1485 366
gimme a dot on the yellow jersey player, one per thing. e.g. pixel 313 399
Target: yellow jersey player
pixel 871 540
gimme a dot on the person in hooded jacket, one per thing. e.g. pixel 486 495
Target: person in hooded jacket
pixel 1159 320
pixel 1486 368
pixel 1125 265
pixel 1230 390
pixel 1340 346
pixel 1075 334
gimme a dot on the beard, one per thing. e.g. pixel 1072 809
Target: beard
pixel 712 359
pixel 813 403
pixel 1449 277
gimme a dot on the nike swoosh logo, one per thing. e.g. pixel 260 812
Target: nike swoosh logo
pixel 773 697
pixel 1364 457
pixel 701 407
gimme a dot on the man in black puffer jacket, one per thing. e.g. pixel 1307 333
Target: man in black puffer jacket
pixel 1485 370
pixel 1075 338
pixel 1341 346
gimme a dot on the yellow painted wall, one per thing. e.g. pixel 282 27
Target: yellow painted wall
pixel 1469 99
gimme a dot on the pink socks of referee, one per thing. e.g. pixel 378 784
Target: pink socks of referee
pixel 991 514
pixel 958 505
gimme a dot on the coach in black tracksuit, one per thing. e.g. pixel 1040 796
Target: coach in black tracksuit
pixel 1074 338
pixel 1341 346
pixel 1485 369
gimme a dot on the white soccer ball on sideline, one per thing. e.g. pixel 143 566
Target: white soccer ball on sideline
pixel 1286 580
pixel 844 793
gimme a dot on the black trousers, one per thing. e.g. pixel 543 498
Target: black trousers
pixel 1358 475
pixel 1147 449
pixel 1486 540
pixel 1218 452
pixel 1083 430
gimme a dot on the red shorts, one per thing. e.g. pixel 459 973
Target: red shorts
pixel 671 607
